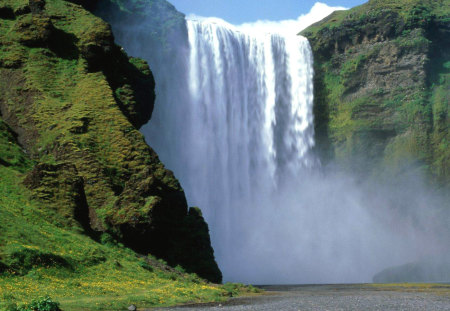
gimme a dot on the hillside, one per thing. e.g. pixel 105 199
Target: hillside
pixel 81 190
pixel 382 88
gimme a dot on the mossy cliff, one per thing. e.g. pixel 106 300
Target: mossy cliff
pixel 72 102
pixel 382 79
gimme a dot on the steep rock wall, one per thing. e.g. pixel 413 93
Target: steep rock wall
pixel 382 88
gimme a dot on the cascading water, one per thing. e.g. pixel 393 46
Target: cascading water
pixel 250 123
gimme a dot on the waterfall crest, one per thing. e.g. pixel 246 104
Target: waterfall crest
pixel 250 109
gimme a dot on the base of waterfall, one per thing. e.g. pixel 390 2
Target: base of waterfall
pixel 422 296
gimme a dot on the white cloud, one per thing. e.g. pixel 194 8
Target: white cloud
pixel 285 27
pixel 317 13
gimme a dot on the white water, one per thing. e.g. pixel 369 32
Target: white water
pixel 249 126
pixel 238 136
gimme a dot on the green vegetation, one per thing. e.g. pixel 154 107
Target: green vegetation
pixel 40 255
pixel 412 12
pixel 75 101
pixel 381 87
pixel 41 304
pixel 439 288
pixel 44 257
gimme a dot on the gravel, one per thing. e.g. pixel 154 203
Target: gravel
pixel 332 297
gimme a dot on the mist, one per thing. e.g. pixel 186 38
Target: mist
pixel 330 227
pixel 234 122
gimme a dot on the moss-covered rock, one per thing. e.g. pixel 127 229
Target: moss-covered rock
pixel 73 101
pixel 381 87
pixel 61 188
pixel 33 30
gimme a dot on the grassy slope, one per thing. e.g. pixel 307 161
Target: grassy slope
pixel 80 273
pixel 439 8
pixel 395 125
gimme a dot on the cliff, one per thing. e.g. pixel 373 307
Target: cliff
pixel 71 103
pixel 382 88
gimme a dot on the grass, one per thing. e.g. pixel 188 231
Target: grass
pixel 407 10
pixel 86 274
pixel 433 288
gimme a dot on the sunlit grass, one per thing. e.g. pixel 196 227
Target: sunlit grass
pixel 433 288
pixel 99 276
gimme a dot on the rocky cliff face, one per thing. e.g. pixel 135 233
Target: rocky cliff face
pixel 382 87
pixel 74 101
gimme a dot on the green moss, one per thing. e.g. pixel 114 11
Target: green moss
pixel 414 13
pixel 10 152
pixel 352 66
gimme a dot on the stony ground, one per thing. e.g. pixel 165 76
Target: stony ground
pixel 338 297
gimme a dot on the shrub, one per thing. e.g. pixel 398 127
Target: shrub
pixel 146 266
pixel 41 304
pixel 26 259
pixel 235 289
pixel 107 239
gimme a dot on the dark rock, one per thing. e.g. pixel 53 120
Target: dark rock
pixel 425 271
pixel 36 6
pixel 197 238
pixel 6 12
pixel 96 45
pixel 22 10
pixel 80 125
pixel 3 267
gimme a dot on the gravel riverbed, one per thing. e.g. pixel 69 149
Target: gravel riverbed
pixel 336 297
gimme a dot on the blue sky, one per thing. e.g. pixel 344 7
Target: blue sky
pixel 241 11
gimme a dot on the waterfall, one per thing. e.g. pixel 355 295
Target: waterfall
pixel 234 121
pixel 244 126
pixel 248 123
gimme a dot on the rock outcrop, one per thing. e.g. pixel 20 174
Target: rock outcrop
pixel 425 271
pixel 74 101
pixel 382 88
